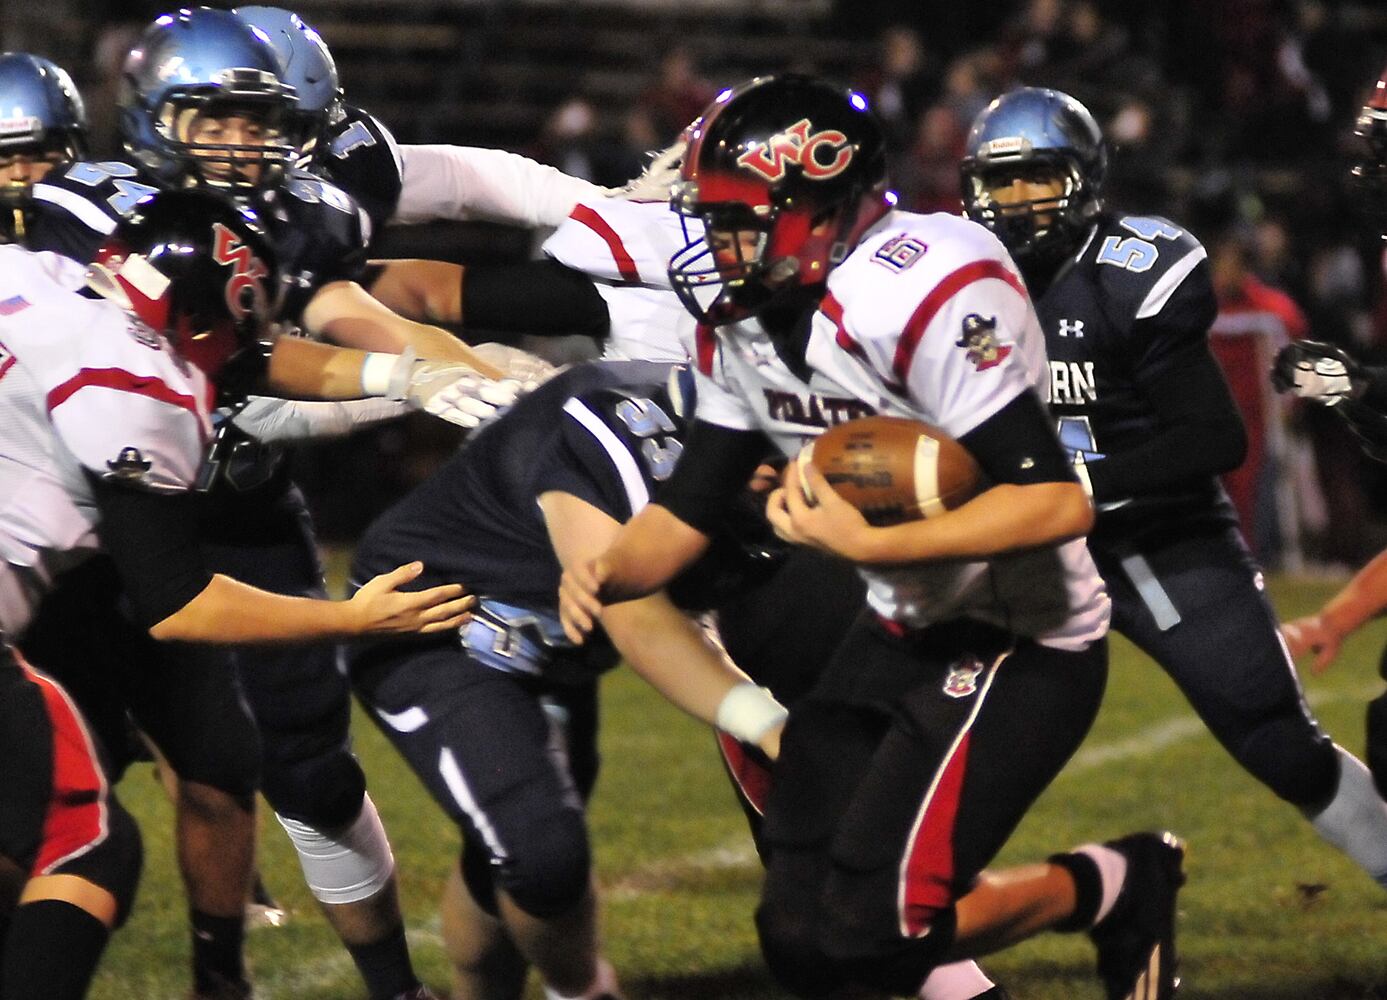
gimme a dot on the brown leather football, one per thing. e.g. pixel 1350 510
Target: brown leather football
pixel 893 469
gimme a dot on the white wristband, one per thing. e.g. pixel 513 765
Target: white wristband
pixel 377 373
pixel 748 712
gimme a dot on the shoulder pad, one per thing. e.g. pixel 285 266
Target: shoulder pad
pixel 1140 260
pixel 79 204
pixel 362 157
pixel 622 242
pixel 627 432
pixel 120 402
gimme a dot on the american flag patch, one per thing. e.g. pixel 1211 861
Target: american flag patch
pixel 13 304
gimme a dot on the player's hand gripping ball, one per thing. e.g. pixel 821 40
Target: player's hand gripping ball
pixel 892 469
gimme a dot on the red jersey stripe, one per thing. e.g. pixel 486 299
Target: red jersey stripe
pixel 929 866
pixel 925 312
pixel 624 264
pixel 76 817
pixel 123 381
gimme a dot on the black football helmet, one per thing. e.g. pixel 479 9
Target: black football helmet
pixel 196 267
pixel 794 162
pixel 1035 133
pixel 1369 173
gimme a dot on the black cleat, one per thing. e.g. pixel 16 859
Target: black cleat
pixel 996 993
pixel 1136 940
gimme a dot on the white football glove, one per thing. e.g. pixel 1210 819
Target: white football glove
pixel 530 370
pixel 450 390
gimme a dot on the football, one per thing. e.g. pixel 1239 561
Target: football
pixel 893 469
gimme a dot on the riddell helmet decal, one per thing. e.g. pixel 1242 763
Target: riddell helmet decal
pixel 248 273
pixel 820 154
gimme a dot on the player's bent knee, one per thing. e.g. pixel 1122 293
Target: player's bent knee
pixel 127 859
pixel 861 934
pixel 345 864
pixel 1294 760
pixel 211 804
pixel 550 870
pixel 325 792
pixel 791 949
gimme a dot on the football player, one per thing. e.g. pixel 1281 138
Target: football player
pixel 45 126
pixel 814 296
pixel 545 485
pixel 203 104
pixel 106 386
pixel 1125 303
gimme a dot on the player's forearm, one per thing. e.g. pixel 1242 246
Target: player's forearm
pixel 670 652
pixel 347 315
pixel 229 612
pixel 1362 599
pixel 672 655
pixel 650 550
pixel 1006 518
pixel 425 290
pixel 305 369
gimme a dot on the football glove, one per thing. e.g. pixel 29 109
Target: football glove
pixel 1311 369
pixel 527 369
pixel 450 390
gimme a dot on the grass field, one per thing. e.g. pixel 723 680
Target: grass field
pixel 1270 912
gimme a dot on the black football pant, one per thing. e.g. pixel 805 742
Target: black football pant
pixel 901 776
pixel 510 758
pixel 58 813
pixel 184 696
pixel 1194 602
pixel 298 695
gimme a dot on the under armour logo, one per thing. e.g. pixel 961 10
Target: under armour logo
pixel 1071 327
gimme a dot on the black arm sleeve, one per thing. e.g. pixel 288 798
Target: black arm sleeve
pixel 541 297
pixel 153 540
pixel 1199 431
pixel 712 471
pixel 1017 444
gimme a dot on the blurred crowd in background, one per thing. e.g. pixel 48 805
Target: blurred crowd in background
pixel 1234 118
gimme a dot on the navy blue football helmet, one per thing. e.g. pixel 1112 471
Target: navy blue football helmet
pixel 308 67
pixel 196 65
pixel 41 118
pixel 1034 133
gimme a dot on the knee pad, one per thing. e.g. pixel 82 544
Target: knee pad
pixel 790 946
pixel 549 868
pixel 861 935
pixel 114 864
pixel 344 864
pixel 324 792
pixel 1293 758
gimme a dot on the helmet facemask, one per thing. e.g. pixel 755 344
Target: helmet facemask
pixel 193 128
pixel 1036 230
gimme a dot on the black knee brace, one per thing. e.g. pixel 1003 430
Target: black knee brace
pixel 550 869
pixel 324 792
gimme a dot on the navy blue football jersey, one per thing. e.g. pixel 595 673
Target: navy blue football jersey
pixel 1134 302
pixel 599 432
pixel 320 232
pixel 361 157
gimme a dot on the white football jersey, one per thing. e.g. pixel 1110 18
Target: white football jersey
pixel 926 319
pixel 625 247
pixel 83 386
